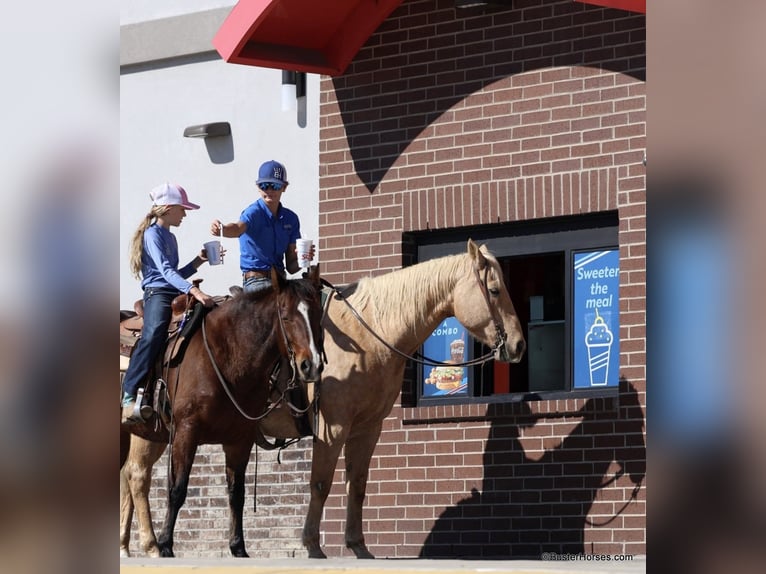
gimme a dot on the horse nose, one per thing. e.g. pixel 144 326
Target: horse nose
pixel 308 370
pixel 514 352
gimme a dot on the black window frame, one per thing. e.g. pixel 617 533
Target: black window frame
pixel 567 234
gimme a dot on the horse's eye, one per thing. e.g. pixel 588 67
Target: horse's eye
pixel 494 292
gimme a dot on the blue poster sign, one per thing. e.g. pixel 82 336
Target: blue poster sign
pixel 448 344
pixel 596 319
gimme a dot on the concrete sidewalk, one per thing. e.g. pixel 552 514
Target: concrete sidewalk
pixel 380 566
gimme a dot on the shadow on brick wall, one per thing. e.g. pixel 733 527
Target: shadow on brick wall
pixel 529 505
pixel 427 57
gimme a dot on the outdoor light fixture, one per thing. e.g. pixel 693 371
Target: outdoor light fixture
pixel 293 88
pixel 212 130
pixel 288 91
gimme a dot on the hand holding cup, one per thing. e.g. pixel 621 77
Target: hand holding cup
pixel 213 252
pixel 304 248
pixel 216 228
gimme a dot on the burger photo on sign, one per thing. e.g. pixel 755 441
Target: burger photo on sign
pixel 446 377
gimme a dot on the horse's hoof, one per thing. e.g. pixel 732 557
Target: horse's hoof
pixel 360 550
pixel 317 553
pixel 167 552
pixel 124 553
pixel 239 553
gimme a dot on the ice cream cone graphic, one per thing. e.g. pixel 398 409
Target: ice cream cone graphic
pixel 599 342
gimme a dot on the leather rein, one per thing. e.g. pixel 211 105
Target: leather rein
pixel 500 334
pixel 283 394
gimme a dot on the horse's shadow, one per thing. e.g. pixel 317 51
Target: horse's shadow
pixel 532 504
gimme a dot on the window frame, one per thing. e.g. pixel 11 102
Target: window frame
pixel 570 235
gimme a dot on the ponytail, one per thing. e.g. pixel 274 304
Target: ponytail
pixel 137 243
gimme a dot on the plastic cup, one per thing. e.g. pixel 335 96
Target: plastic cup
pixel 303 249
pixel 213 251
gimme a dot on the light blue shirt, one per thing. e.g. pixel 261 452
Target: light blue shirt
pixel 159 262
pixel 264 242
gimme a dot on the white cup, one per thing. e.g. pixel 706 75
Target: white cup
pixel 303 249
pixel 213 251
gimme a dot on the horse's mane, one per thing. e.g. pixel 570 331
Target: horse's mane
pixel 302 288
pixel 411 291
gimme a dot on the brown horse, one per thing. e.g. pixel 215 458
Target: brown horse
pixel 363 376
pixel 220 389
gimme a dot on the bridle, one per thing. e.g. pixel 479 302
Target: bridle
pixel 291 385
pixel 500 334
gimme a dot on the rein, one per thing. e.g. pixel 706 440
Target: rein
pixel 500 334
pixel 633 496
pixel 227 389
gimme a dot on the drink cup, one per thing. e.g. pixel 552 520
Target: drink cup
pixel 213 251
pixel 457 350
pixel 303 249
pixel 598 340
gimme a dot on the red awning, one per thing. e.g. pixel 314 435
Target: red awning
pixel 629 5
pixel 320 36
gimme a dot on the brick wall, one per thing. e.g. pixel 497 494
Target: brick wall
pixel 448 118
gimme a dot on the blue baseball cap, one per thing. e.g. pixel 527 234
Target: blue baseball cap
pixel 272 172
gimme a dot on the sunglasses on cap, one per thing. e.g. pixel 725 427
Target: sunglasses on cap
pixel 269 185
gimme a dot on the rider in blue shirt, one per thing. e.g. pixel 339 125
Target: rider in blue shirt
pixel 267 231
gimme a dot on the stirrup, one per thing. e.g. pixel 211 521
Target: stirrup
pixel 142 412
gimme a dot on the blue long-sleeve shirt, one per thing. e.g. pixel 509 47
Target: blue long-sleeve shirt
pixel 159 262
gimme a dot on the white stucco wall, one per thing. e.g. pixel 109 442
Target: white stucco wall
pixel 158 101
pixel 132 11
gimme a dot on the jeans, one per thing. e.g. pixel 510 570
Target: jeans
pixel 254 284
pixel 157 314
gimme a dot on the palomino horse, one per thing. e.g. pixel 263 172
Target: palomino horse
pixel 135 479
pixel 220 388
pixel 363 376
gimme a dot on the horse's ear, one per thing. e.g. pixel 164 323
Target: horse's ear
pixel 275 284
pixel 313 276
pixel 476 255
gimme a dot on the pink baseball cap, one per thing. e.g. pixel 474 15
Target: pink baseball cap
pixel 171 194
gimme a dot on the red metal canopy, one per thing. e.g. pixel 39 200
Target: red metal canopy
pixel 629 5
pixel 319 37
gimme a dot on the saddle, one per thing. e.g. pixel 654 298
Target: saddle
pixel 131 323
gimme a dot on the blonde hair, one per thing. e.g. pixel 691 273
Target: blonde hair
pixel 137 243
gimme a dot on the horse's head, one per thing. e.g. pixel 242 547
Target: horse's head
pixel 300 310
pixel 483 306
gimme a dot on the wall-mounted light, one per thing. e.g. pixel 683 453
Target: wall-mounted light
pixel 211 130
pixel 293 89
pixel 289 90
pixel 294 94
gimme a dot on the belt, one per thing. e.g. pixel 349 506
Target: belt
pixel 259 274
